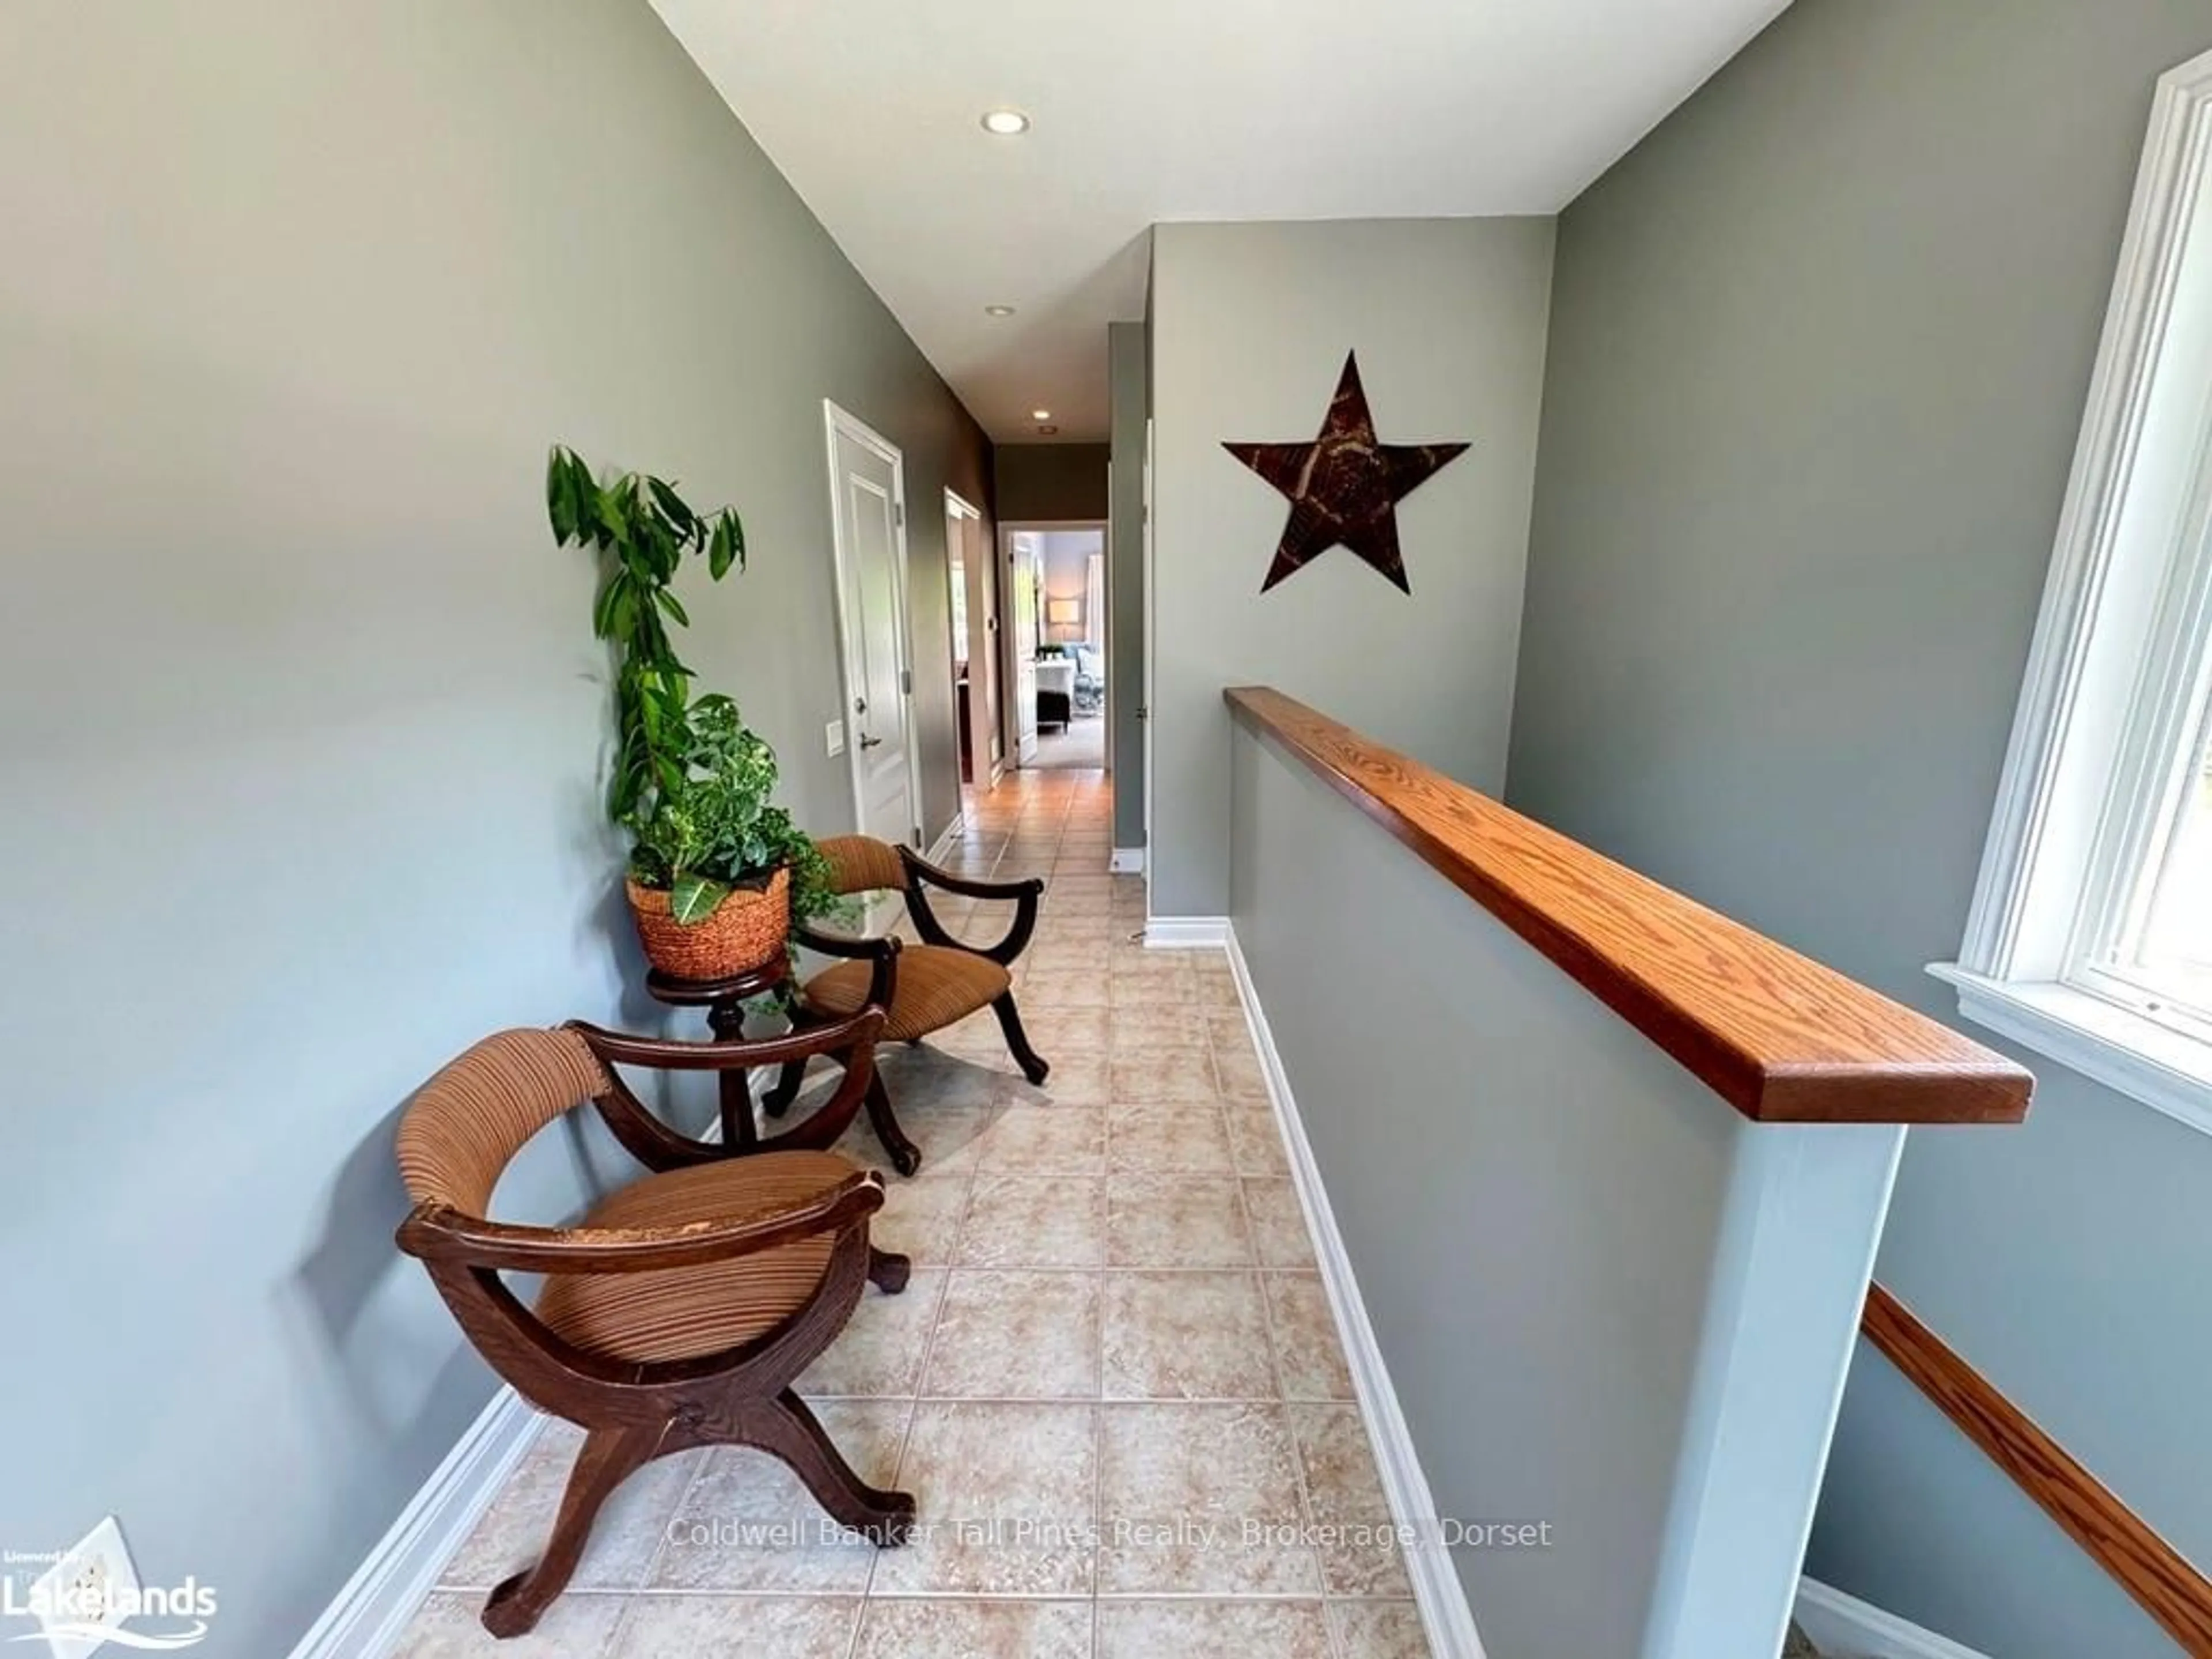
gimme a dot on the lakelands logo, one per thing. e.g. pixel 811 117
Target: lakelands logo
pixel 91 1613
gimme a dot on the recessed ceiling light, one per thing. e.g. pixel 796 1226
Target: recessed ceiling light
pixel 1040 414
pixel 1005 123
pixel 998 310
pixel 1047 431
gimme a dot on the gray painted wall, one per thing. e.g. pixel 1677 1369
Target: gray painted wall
pixel 306 720
pixel 1129 394
pixel 1041 483
pixel 1251 323
pixel 1819 351
pixel 1606 1302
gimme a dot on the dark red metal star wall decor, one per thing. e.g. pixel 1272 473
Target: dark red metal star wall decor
pixel 1345 486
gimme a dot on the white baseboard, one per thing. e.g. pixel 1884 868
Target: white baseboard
pixel 1844 1627
pixel 380 1601
pixel 941 848
pixel 1443 1599
pixel 1126 861
pixel 1186 933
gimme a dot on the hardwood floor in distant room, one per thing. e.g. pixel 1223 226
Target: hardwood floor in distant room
pixel 1082 745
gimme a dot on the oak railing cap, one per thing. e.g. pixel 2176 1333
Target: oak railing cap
pixel 1782 1038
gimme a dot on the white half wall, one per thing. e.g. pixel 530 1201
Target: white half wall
pixel 1606 1302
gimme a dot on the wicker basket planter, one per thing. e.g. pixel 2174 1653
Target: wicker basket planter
pixel 746 931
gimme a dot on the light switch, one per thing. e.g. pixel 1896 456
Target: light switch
pixel 835 736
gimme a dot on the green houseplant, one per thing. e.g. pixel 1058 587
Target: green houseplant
pixel 716 869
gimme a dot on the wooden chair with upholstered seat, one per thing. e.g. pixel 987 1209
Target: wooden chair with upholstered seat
pixel 925 987
pixel 678 1311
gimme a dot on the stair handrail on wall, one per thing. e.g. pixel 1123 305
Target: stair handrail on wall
pixel 2157 1576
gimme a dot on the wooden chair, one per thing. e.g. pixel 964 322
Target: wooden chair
pixel 678 1311
pixel 925 987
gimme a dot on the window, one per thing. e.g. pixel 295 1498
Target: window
pixel 2151 947
pixel 2091 934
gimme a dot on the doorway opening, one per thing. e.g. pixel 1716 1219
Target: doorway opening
pixel 1057 645
pixel 974 643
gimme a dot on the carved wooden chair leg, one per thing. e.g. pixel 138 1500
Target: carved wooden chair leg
pixel 786 1428
pixel 905 1156
pixel 608 1458
pixel 778 1100
pixel 1034 1065
pixel 888 1272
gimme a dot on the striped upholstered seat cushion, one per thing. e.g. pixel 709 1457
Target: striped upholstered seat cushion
pixel 936 986
pixel 680 1313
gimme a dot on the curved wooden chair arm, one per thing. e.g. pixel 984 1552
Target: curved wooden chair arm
pixel 653 1143
pixel 883 982
pixel 853 947
pixel 921 875
pixel 920 869
pixel 858 1030
pixel 441 1235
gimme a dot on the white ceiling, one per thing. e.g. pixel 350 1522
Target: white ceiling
pixel 1150 110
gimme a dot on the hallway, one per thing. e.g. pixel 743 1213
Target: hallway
pixel 1115 1353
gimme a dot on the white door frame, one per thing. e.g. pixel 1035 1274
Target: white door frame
pixel 836 422
pixel 1007 634
pixel 1148 708
pixel 990 769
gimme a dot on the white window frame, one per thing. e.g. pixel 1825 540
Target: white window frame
pixel 2120 668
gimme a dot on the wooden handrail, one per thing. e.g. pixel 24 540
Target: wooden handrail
pixel 2161 1580
pixel 1778 1035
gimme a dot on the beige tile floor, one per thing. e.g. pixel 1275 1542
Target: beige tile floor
pixel 1114 1340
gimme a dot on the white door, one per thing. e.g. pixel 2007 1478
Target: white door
pixel 867 483
pixel 1027 569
